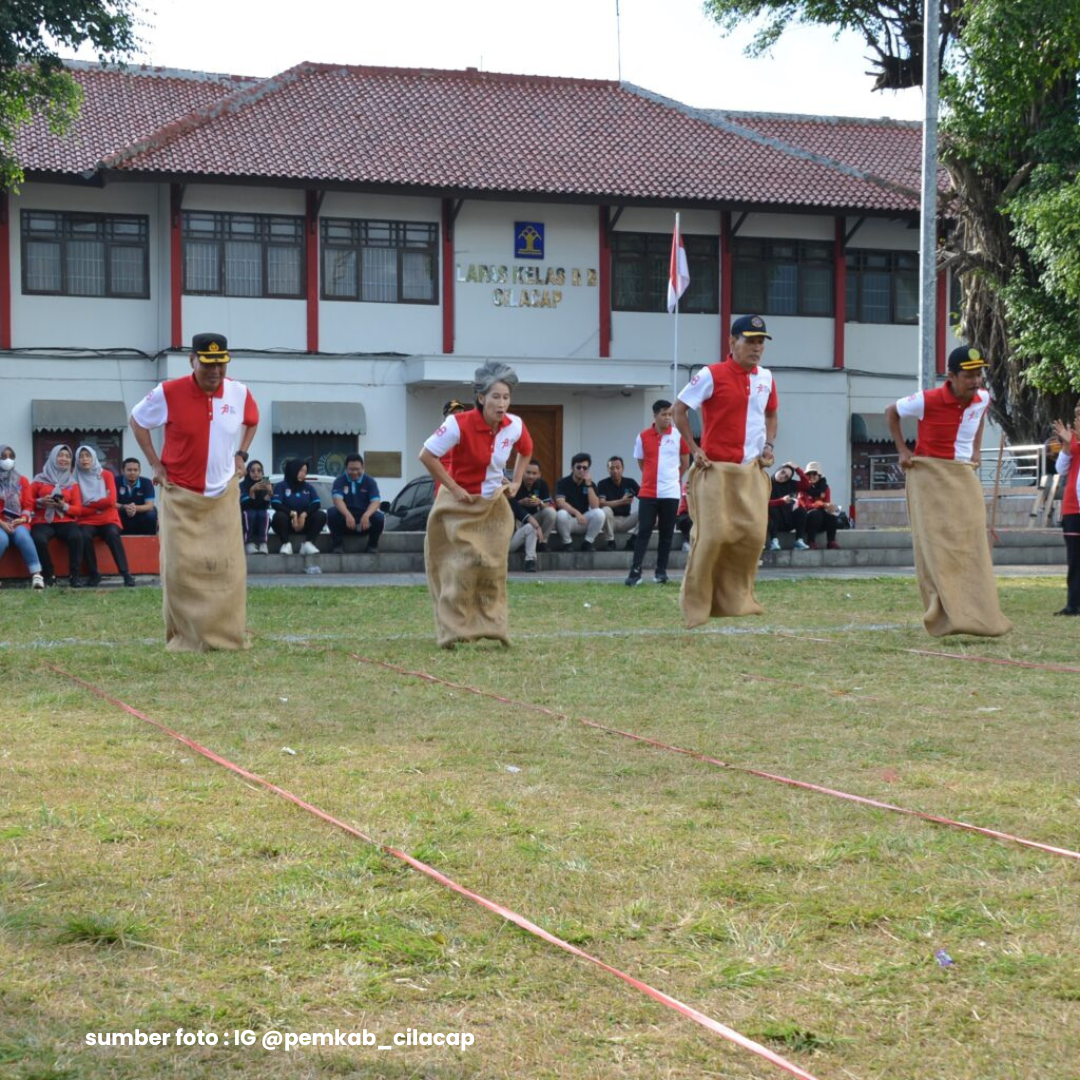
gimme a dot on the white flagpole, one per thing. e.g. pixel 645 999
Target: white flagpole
pixel 675 359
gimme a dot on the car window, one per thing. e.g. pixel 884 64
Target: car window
pixel 406 498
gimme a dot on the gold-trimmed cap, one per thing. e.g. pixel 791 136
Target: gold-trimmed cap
pixel 211 348
pixel 750 326
pixel 966 358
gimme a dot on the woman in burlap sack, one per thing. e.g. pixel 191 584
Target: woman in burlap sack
pixel 469 528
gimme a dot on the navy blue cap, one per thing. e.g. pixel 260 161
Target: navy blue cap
pixel 211 348
pixel 751 326
pixel 966 358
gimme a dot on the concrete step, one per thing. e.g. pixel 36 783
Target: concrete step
pixel 404 553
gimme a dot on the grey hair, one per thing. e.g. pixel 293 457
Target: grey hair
pixel 491 372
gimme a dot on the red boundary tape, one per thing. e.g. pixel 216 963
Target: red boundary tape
pixel 506 913
pixel 698 756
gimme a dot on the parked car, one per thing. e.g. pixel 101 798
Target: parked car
pixel 411 506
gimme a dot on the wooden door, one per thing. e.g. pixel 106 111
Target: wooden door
pixel 545 426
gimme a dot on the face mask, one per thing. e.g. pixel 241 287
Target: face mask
pixel 7 464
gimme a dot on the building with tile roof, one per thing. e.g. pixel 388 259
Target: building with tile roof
pixel 366 236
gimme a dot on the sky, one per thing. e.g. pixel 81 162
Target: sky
pixel 667 46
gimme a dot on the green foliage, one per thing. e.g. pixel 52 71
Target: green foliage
pixel 32 80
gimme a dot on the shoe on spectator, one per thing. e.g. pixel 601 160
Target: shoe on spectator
pixel 130 581
pixel 542 547
pixel 285 549
pixel 74 582
pixel 686 545
pixel 802 545
pixel 611 545
pixel 634 577
pixel 308 548
pixel 833 545
pixel 337 549
pixel 372 549
pixel 530 566
pixel 262 549
pixel 251 549
pixel 37 581
pixel 586 545
pixel 50 580
pixel 812 545
pixel 93 581
pixel 659 578
pixel 774 545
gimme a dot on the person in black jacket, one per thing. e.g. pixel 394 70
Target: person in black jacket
pixel 256 492
pixel 296 509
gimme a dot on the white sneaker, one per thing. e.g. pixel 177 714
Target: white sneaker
pixel 285 549
pixel 801 545
pixel 686 545
pixel 774 544
pixel 308 548
pixel 262 549
pixel 37 581
pixel 251 549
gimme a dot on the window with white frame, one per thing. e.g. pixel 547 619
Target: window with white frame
pixel 76 254
pixel 882 286
pixel 641 266
pixel 256 255
pixel 782 277
pixel 382 262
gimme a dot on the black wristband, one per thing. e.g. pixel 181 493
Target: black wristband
pixel 242 455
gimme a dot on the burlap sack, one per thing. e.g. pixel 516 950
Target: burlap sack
pixel 729 505
pixel 952 550
pixel 465 551
pixel 203 570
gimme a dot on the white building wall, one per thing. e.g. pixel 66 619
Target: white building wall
pixel 491 316
pixel 354 327
pixel 85 322
pixel 247 323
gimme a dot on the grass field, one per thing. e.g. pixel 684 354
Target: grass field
pixel 143 887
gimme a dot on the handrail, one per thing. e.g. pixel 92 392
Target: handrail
pixel 1021 467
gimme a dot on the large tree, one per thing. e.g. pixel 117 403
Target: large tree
pixel 32 78
pixel 1011 143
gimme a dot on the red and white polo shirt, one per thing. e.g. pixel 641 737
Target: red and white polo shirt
pixel 1068 462
pixel 947 427
pixel 201 430
pixel 480 454
pixel 660 468
pixel 733 404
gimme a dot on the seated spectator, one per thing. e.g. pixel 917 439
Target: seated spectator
pixel 256 491
pixel 527 534
pixel 356 506
pixel 617 493
pixel 535 496
pixel 16 510
pixel 296 509
pixel 451 408
pixel 97 515
pixel 822 514
pixel 785 513
pixel 135 501
pixel 55 493
pixel 578 504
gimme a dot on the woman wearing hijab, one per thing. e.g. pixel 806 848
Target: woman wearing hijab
pixel 98 515
pixel 471 522
pixel 822 514
pixel 296 509
pixel 16 510
pixel 55 493
pixel 255 494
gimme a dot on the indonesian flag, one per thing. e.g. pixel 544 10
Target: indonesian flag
pixel 679 274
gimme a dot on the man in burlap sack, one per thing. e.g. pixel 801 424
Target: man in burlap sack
pixel 946 508
pixel 209 424
pixel 727 486
pixel 470 525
